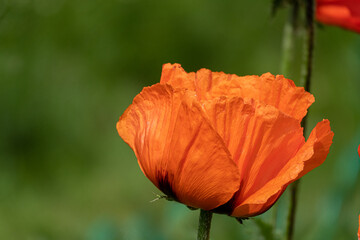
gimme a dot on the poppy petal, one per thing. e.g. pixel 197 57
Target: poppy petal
pixel 275 91
pixel 253 209
pixel 260 138
pixel 311 155
pixel 177 148
pixel 175 75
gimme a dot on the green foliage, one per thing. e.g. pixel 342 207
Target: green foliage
pixel 266 229
pixel 275 5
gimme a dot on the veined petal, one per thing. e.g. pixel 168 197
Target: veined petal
pixel 249 210
pixel 177 148
pixel 275 91
pixel 175 75
pixel 311 155
pixel 260 138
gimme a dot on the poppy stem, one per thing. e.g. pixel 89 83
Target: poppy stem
pixel 305 80
pixel 204 225
pixel 291 217
pixel 288 39
pixel 309 44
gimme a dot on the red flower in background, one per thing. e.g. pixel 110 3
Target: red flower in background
pixel 359 215
pixel 343 13
pixel 221 142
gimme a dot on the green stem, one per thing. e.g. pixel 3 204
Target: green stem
pixel 306 80
pixel 204 225
pixel 288 38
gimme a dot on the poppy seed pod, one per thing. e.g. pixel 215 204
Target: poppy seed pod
pixel 221 142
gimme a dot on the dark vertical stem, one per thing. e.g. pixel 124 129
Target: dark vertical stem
pixel 309 44
pixel 204 225
pixel 306 80
pixel 291 217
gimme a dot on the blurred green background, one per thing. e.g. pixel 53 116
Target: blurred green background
pixel 68 70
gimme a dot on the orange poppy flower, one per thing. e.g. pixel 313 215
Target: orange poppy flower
pixel 343 13
pixel 220 142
